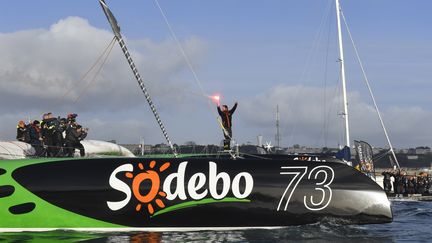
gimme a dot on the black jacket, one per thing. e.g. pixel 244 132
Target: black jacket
pixel 227 116
pixel 49 127
pixel 35 135
pixel 73 136
pixel 23 134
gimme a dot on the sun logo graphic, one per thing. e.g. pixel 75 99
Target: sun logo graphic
pixel 153 177
pixel 151 198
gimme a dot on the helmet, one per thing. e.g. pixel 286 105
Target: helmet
pixel 72 116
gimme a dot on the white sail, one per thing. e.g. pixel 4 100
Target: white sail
pixel 95 147
pixel 15 150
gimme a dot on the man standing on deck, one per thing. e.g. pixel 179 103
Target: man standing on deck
pixel 48 125
pixel 36 139
pixel 387 181
pixel 74 135
pixel 226 116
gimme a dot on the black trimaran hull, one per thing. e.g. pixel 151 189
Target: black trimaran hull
pixel 185 193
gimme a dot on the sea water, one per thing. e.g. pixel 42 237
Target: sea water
pixel 412 223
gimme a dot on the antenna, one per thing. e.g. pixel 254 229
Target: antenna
pixel 277 137
pixel 142 145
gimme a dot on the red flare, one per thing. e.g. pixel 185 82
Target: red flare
pixel 215 98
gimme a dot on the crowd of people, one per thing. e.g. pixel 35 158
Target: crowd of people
pixel 406 184
pixel 53 136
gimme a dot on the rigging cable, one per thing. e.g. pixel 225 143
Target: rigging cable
pixel 324 133
pixel 370 90
pixel 65 95
pixel 304 75
pixel 110 47
pixel 189 63
pixel 325 122
pixel 91 68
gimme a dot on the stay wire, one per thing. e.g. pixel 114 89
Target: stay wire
pixel 325 122
pixel 110 47
pixel 305 75
pixel 91 68
pixel 323 134
pixel 189 63
pixel 84 76
pixel 370 90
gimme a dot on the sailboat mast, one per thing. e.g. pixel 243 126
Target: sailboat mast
pixel 116 29
pixel 342 73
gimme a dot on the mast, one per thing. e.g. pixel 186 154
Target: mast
pixel 116 29
pixel 342 73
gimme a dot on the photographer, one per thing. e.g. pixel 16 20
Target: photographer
pixel 49 126
pixel 71 118
pixel 74 135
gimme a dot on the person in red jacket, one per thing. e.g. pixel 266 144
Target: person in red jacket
pixel 226 116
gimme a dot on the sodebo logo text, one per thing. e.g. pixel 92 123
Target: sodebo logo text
pixel 200 188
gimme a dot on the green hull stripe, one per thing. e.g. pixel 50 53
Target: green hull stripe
pixel 197 203
pixel 53 216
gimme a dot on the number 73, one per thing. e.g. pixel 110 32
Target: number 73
pixel 311 202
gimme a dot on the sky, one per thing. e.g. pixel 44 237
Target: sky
pixel 259 53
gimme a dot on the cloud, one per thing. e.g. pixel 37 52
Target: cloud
pixel 41 71
pixel 42 67
pixel 310 119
